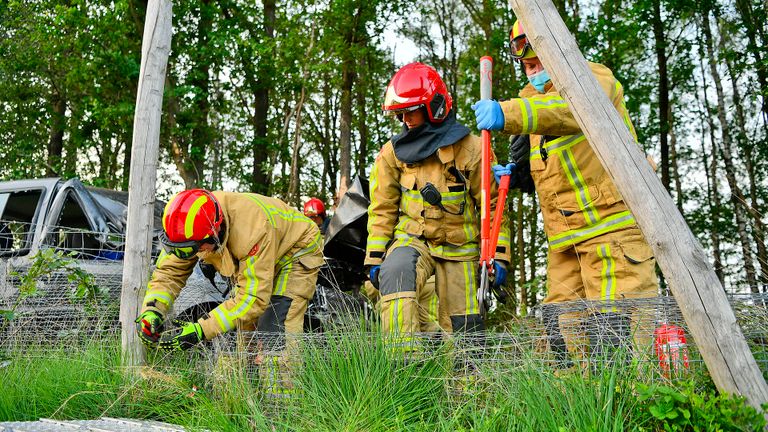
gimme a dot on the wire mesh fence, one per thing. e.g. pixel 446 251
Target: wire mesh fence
pixel 648 335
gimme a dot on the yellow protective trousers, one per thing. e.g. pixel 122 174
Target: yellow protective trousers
pixel 293 288
pixel 403 280
pixel 429 318
pixel 615 266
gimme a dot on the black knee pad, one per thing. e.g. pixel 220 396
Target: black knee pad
pixel 467 323
pixel 398 271
pixel 272 322
pixel 608 332
pixel 550 314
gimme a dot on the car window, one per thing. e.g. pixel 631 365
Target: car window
pixel 71 231
pixel 17 218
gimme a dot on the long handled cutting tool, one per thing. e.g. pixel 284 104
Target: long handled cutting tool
pixel 488 237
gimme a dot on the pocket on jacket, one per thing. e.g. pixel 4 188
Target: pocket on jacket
pixel 312 261
pixel 636 252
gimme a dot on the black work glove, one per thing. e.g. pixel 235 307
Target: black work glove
pixel 149 325
pixel 183 337
pixel 520 154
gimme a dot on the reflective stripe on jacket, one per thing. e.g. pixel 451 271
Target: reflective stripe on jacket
pixel 261 232
pixel 398 211
pixel 578 198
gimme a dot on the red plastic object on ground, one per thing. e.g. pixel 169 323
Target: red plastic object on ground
pixel 671 348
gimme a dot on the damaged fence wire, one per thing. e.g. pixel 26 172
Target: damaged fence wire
pixel 647 334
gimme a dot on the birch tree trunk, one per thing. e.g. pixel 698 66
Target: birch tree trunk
pixel 660 45
pixel 745 150
pixel 737 198
pixel 522 277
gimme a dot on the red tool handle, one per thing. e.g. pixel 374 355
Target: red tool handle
pixel 501 203
pixel 486 73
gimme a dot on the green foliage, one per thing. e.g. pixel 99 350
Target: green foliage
pixel 46 263
pixel 686 409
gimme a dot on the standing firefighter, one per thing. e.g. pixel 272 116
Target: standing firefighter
pixel 596 250
pixel 272 251
pixel 423 217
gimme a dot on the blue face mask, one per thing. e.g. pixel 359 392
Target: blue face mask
pixel 539 80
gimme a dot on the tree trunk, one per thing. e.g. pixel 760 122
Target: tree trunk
pixel 753 25
pixel 746 151
pixel 293 188
pixel 660 46
pixel 674 170
pixel 727 155
pixel 713 193
pixel 200 79
pixel 523 276
pixel 535 241
pixel 345 125
pixel 261 174
pixel 176 147
pixel 56 135
pixel 362 126
pixel 329 171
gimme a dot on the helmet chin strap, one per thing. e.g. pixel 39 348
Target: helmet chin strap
pixel 220 235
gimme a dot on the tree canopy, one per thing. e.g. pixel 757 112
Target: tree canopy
pixel 284 98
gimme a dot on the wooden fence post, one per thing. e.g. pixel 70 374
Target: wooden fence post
pixel 691 277
pixel 144 155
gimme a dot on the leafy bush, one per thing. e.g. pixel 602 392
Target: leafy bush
pixel 684 409
pixel 45 263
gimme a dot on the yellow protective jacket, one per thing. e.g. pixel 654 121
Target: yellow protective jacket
pixel 578 198
pixel 398 212
pixel 261 234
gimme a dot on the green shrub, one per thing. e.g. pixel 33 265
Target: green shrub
pixel 684 409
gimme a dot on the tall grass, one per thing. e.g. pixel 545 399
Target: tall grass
pixel 350 381
pixel 356 383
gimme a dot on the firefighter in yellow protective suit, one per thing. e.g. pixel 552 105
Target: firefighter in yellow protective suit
pixel 271 250
pixel 423 218
pixel 596 250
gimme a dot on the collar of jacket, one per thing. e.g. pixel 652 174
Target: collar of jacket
pixel 225 223
pixel 417 144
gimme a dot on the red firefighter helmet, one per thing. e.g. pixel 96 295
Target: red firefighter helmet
pixel 314 207
pixel 416 85
pixel 191 216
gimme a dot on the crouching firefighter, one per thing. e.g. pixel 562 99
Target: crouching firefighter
pixel 271 251
pixel 424 213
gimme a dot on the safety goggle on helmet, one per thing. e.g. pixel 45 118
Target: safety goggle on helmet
pixel 519 47
pixel 190 219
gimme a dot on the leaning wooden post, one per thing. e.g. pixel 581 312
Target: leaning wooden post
pixel 691 277
pixel 141 188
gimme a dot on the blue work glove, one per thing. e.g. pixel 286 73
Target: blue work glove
pixel 373 275
pixel 182 338
pixel 489 115
pixel 500 269
pixel 502 170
